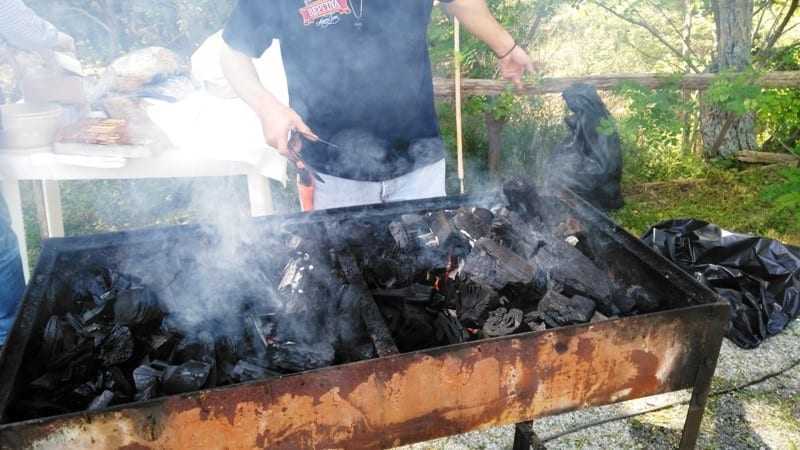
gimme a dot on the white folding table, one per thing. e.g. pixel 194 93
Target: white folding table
pixel 42 165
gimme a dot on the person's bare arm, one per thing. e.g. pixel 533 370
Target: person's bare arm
pixel 277 119
pixel 478 20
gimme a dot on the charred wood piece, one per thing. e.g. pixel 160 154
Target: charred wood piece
pixel 558 310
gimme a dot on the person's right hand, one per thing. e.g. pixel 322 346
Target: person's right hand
pixel 278 123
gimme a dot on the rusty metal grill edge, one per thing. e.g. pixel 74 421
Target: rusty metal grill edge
pixel 411 397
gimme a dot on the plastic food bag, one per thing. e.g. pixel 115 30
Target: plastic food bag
pixel 759 277
pixel 589 161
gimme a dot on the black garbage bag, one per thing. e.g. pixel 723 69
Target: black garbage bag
pixel 589 161
pixel 760 277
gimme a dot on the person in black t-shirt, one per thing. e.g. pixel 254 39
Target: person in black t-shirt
pixel 360 89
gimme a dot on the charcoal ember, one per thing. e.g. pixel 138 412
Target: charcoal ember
pixel 390 270
pixel 502 322
pixel 558 310
pixel 102 401
pixel 495 266
pixel 474 223
pixel 475 303
pixel 117 347
pixel 449 330
pixel 645 302
pixel 137 306
pixel 298 357
pixel 187 377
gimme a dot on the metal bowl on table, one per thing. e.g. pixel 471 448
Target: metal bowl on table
pixel 29 125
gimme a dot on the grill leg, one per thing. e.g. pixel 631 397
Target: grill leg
pixel 525 438
pixel 697 404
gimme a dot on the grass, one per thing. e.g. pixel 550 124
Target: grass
pixel 732 199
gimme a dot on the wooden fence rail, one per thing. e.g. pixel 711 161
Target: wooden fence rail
pixel 444 87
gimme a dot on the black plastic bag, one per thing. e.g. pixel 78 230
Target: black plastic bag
pixel 589 161
pixel 759 277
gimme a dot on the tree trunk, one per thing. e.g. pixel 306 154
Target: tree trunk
pixel 494 131
pixel 734 21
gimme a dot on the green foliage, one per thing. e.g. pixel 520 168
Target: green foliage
pixel 736 93
pixel 651 133
pixel 786 194
pixel 731 199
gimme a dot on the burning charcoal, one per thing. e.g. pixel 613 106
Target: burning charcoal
pixel 495 266
pixel 502 322
pixel 558 310
pixel 475 303
pixel 247 370
pixel 102 401
pixel 117 347
pixel 296 357
pixel 474 223
pixel 412 232
pixel 138 306
pixel 189 376
pixel 645 303
pixel 449 330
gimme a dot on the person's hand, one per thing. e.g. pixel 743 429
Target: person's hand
pixel 277 123
pixel 514 65
pixel 65 43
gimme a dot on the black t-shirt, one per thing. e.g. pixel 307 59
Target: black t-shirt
pixel 359 75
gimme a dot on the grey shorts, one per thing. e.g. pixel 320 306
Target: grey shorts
pixel 425 182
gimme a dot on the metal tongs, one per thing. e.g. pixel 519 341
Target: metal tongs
pixel 305 172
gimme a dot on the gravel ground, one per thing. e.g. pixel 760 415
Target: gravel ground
pixel 764 416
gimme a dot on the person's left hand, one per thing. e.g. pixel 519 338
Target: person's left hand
pixel 65 43
pixel 514 65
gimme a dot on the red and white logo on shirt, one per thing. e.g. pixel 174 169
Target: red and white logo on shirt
pixel 320 9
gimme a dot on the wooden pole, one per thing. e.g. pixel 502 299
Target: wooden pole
pixel 444 87
pixel 457 77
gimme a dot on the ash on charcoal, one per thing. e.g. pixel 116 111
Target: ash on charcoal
pixel 117 347
pixel 502 322
pixel 495 266
pixel 558 310
pixel 474 223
